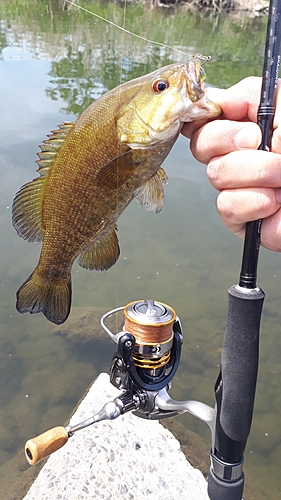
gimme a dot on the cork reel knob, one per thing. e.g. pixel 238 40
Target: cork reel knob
pixel 40 447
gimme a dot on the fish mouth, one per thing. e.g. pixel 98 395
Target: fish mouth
pixel 194 76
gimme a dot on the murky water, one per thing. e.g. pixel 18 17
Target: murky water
pixel 53 63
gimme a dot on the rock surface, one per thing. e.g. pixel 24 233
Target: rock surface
pixel 129 459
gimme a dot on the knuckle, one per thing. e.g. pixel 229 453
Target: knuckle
pixel 225 206
pixel 251 83
pixel 251 80
pixel 215 169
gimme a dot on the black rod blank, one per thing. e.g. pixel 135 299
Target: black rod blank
pixel 266 111
pixel 236 383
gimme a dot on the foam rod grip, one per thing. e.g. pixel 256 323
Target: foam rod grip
pixel 224 490
pixel 239 362
pixel 45 444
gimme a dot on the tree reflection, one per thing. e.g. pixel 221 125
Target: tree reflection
pixel 79 83
pixel 89 57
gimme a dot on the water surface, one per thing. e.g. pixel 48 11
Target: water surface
pixel 53 63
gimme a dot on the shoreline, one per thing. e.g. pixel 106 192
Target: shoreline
pixel 130 458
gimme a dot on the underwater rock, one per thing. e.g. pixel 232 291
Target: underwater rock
pixel 23 476
pixel 83 325
pixel 193 446
pixel 11 369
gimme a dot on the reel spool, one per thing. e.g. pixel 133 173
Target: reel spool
pixel 148 347
pixel 151 323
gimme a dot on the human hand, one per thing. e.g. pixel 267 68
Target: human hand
pixel 248 181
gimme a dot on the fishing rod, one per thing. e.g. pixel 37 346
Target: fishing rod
pixel 144 364
pixel 265 115
pixel 236 383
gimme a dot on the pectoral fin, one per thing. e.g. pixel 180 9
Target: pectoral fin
pixel 119 170
pixel 115 173
pixel 102 255
pixel 151 194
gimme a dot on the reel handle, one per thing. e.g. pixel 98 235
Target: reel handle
pixel 40 447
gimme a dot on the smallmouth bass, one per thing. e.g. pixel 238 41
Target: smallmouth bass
pixel 90 170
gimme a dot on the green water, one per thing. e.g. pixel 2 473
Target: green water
pixel 53 63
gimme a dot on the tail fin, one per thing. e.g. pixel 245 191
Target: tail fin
pixel 37 295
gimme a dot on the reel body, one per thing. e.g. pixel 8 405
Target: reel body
pixel 149 347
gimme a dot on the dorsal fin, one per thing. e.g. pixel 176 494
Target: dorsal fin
pixel 50 146
pixel 27 211
pixel 27 204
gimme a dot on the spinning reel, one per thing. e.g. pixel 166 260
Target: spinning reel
pixel 146 360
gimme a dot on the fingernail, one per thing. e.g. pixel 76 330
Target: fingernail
pixel 278 195
pixel 248 137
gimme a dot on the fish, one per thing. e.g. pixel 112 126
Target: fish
pixel 89 172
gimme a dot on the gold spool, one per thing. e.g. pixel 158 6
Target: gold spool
pixel 149 329
pixel 151 364
pixel 151 323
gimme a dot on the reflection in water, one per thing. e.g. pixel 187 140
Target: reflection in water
pixel 53 64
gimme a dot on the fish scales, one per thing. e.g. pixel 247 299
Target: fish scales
pixel 91 170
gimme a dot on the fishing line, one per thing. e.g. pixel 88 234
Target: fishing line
pixel 117 165
pixel 127 31
pixel 123 38
pixel 124 32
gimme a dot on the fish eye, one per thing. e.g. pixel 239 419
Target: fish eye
pixel 160 85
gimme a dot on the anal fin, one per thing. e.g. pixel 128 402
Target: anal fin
pixel 102 255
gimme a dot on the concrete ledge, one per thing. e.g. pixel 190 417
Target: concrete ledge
pixel 127 459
